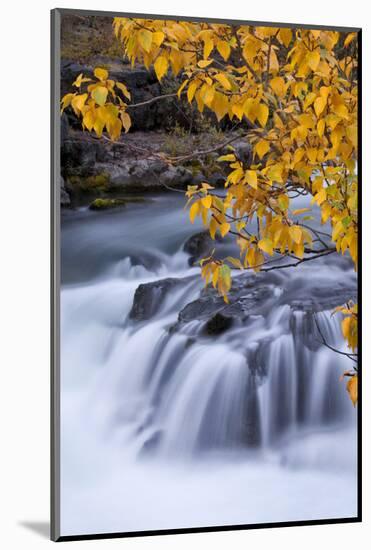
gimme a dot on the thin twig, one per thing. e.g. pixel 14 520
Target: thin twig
pixel 350 356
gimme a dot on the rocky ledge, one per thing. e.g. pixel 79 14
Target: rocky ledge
pixel 250 295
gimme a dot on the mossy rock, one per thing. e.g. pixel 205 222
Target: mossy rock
pixel 104 204
pixel 98 182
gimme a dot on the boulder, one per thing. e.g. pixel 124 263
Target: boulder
pixel 106 204
pixel 64 198
pixel 148 297
pixel 198 246
pixel 247 296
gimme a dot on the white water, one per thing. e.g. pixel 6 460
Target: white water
pixel 159 432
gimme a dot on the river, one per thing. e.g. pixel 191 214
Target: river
pixel 174 429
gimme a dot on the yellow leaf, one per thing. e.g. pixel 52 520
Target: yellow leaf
pixel 278 86
pixel 319 105
pixel 213 226
pixel 262 114
pixel 161 66
pixel 204 63
pixel 192 90
pixel 207 201
pixel 300 211
pixel 262 147
pixel 251 178
pixel 224 229
pixel 312 154
pixel 352 388
pixel 126 120
pixel 158 37
pixel 89 119
pixel 124 90
pixel 224 49
pixel 231 157
pixel 266 245
pixel 313 59
pixel 321 127
pixel 338 230
pixel 296 234
pixel 78 102
pixel 351 132
pixel 181 87
pixel 237 109
pixel 285 35
pixel 100 74
pixel 220 77
pixel 235 262
pixel 99 94
pixel 351 36
pixel 145 39
pixel 208 47
pixel 194 211
pixel 220 105
pixel 66 101
pixel 283 202
pixel 80 79
pixel 320 197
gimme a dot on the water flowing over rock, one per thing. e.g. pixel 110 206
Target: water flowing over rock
pixel 171 380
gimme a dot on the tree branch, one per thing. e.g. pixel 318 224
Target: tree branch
pixel 350 356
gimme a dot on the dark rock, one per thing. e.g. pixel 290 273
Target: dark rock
pixel 218 324
pixel 80 155
pixel 198 245
pixel 248 295
pixel 142 84
pixel 64 128
pixel 243 150
pixel 148 297
pixel 65 198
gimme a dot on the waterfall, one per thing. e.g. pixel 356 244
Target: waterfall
pixel 143 397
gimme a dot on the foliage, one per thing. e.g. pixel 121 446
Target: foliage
pixel 295 93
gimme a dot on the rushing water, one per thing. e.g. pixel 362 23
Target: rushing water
pixel 171 429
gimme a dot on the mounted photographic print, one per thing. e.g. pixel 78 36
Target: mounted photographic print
pixel 205 320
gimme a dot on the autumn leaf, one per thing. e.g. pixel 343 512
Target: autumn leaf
pixel 224 229
pixel 99 94
pixel 101 74
pixel 266 245
pixel 161 66
pixel 352 388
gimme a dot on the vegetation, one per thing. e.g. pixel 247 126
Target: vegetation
pixel 294 94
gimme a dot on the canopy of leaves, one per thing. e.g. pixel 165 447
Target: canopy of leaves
pixel 296 92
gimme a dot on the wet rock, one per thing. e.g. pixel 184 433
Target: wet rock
pixel 218 324
pixel 149 297
pixel 105 204
pixel 248 296
pixel 198 246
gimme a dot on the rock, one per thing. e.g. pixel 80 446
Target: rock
pixel 105 204
pixel 80 155
pixel 198 245
pixel 93 184
pixel 136 175
pixel 243 150
pixel 64 128
pixel 142 83
pixel 65 198
pixel 108 202
pixel 218 324
pixel 148 297
pixel 248 295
